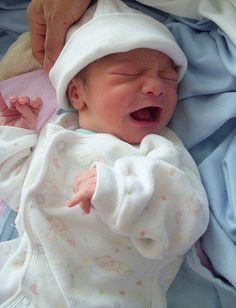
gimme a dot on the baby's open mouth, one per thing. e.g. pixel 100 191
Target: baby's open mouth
pixel 146 114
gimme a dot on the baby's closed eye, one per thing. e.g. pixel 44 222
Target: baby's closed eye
pixel 169 75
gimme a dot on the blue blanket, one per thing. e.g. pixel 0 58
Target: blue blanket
pixel 12 22
pixel 205 119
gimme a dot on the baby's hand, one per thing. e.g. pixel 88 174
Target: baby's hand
pixel 84 187
pixel 23 112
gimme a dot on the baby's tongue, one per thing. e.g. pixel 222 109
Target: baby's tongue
pixel 142 114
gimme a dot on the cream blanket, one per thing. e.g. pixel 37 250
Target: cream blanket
pixel 18 59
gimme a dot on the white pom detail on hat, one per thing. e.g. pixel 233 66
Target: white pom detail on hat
pixel 110 26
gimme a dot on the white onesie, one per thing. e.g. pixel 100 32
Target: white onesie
pixel 149 208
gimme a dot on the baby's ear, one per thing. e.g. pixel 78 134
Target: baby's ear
pixel 75 93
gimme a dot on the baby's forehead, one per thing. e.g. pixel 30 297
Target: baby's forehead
pixel 142 58
pixel 137 56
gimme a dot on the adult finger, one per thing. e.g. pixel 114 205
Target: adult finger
pixel 54 42
pixel 37 27
pixel 58 19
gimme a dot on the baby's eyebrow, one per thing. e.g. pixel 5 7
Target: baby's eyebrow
pixel 126 64
pixel 125 61
pixel 129 63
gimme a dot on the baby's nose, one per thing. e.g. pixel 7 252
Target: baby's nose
pixel 154 86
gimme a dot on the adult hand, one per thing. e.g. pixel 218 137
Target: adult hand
pixel 49 21
pixel 23 112
pixel 84 187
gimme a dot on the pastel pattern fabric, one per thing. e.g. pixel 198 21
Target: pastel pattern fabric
pixel 149 209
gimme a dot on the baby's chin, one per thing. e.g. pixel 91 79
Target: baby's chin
pixel 135 138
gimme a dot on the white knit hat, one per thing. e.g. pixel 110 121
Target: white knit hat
pixel 110 26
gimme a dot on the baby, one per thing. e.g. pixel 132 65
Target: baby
pixel 115 158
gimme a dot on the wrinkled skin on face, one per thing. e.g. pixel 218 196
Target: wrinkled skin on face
pixel 129 95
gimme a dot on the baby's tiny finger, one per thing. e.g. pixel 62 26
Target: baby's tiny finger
pixel 13 100
pixel 85 206
pixel 36 102
pixel 24 100
pixel 71 202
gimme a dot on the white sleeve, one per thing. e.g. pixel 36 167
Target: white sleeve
pixel 153 199
pixel 16 145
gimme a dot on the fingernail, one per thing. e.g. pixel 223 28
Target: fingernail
pixel 35 104
pixel 22 99
pixel 13 98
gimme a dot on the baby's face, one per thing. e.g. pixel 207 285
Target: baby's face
pixel 129 94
